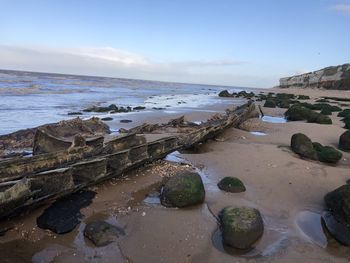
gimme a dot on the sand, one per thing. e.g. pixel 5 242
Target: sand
pixel 287 190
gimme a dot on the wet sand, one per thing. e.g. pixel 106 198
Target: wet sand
pixel 287 190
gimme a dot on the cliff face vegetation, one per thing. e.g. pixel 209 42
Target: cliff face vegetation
pixel 337 77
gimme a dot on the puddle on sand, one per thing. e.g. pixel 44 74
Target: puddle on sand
pixel 175 158
pixel 310 224
pixel 258 133
pixel 148 195
pixel 272 119
pixel 270 244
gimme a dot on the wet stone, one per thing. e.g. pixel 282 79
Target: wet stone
pixel 64 214
pixel 102 233
pixel 241 226
pixel 231 184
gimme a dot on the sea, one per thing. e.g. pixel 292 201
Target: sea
pixel 30 99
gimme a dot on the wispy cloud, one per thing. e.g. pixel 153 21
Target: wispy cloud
pixel 342 8
pixel 111 62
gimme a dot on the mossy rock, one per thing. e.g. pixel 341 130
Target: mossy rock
pixel 231 184
pixel 325 106
pixel 183 189
pixel 328 154
pixel 302 145
pixel 344 141
pixel 102 233
pixel 344 113
pixel 323 119
pixel 322 100
pixel 338 202
pixel 326 111
pixel 270 103
pixel 346 121
pixel 303 97
pixel 317 146
pixel 297 113
pixel 224 93
pixel 241 226
pixel 284 104
pixel 337 220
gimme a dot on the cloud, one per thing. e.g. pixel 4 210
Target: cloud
pixel 111 62
pixel 342 8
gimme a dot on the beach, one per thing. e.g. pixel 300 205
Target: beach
pixel 287 190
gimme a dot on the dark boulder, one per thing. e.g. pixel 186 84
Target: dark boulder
pixel 338 218
pixel 297 113
pixel 328 154
pixel 224 93
pixel 231 184
pixel 344 141
pixel 241 226
pixel 323 119
pixel 344 113
pixel 183 189
pixel 125 121
pixel 102 233
pixel 107 119
pixel 326 111
pixel 139 108
pixel 302 145
pixel 303 97
pixel 270 103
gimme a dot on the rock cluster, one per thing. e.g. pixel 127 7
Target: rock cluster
pixel 303 146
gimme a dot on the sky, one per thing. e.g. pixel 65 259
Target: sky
pixel 223 42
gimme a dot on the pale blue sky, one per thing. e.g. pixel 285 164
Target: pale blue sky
pixel 247 43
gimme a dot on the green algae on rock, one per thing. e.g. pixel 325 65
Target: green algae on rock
pixel 231 184
pixel 302 145
pixel 183 189
pixel 241 226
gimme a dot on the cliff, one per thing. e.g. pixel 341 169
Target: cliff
pixel 337 77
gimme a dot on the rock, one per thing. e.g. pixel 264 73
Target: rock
pixel 323 119
pixel 338 221
pixel 183 189
pixel 297 113
pixel 64 214
pixel 328 154
pixel 224 93
pixel 326 111
pixel 270 104
pixel 344 113
pixel 241 226
pixel 231 184
pixel 107 119
pixel 302 145
pixel 102 233
pixel 139 108
pixel 344 141
pixel 75 113
pixel 303 97
pixel 125 121
pixel 284 104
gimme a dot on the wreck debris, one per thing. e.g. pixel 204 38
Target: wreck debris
pixel 81 162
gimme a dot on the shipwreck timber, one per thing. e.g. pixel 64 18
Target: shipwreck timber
pixel 60 166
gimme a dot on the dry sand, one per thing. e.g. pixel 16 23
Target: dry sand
pixel 287 190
